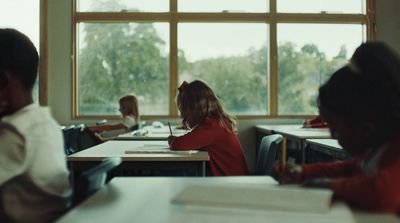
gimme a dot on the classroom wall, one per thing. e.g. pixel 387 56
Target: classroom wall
pixel 59 65
pixel 59 59
pixel 388 22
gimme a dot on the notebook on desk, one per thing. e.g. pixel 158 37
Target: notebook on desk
pixel 288 198
pixel 257 203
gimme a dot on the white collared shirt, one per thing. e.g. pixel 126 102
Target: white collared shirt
pixel 36 188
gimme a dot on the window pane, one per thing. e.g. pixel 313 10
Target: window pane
pixel 24 16
pixel 123 5
pixel 307 55
pixel 223 5
pixel 116 59
pixel 231 58
pixel 322 6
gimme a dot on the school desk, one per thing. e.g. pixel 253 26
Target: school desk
pixel 148 199
pixel 151 133
pixel 144 159
pixel 295 134
pixel 325 150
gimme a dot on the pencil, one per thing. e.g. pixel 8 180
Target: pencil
pixel 284 152
pixel 169 126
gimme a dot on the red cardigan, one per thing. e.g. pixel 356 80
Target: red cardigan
pixel 378 192
pixel 224 149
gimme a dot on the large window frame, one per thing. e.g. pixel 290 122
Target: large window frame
pixel 173 17
pixel 43 68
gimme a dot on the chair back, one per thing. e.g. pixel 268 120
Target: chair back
pixel 133 128
pixel 67 133
pixel 89 181
pixel 75 138
pixel 88 139
pixel 267 154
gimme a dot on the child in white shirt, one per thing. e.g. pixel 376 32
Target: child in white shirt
pixel 34 185
pixel 128 106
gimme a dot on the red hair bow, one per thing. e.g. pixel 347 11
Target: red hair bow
pixel 183 86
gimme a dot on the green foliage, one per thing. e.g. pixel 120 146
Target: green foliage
pixel 300 75
pixel 241 82
pixel 119 59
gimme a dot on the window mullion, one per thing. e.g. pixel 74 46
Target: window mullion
pixel 173 58
pixel 273 61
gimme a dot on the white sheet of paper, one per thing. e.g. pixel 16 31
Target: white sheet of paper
pixel 154 148
pixel 262 197
pixel 195 214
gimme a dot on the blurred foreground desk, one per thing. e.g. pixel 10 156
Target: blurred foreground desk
pixel 148 200
pixel 163 163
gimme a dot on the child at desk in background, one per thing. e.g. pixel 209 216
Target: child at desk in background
pixel 361 104
pixel 212 129
pixel 34 179
pixel 315 122
pixel 128 106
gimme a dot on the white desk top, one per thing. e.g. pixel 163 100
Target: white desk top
pixel 151 133
pixel 330 143
pixel 115 148
pixel 297 131
pixel 148 199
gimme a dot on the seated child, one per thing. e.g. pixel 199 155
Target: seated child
pixel 361 104
pixel 212 129
pixel 34 184
pixel 315 122
pixel 128 107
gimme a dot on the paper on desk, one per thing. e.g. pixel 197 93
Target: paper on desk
pixel 196 214
pixel 150 148
pixel 261 197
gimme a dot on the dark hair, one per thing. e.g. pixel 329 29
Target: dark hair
pixel 197 101
pixel 379 62
pixel 365 90
pixel 19 56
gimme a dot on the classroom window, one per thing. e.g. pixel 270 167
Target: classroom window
pixel 24 16
pixel 123 6
pixel 307 55
pixel 322 6
pixel 116 59
pixel 233 60
pixel 225 6
pixel 262 57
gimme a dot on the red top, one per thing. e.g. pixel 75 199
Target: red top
pixel 378 192
pixel 224 149
pixel 315 122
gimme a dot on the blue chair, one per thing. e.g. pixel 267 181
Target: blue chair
pixel 67 133
pixel 89 181
pixel 267 154
pixel 88 139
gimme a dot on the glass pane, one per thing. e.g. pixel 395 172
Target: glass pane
pixel 116 59
pixel 123 5
pixel 223 6
pixel 307 55
pixel 231 58
pixel 24 16
pixel 322 6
